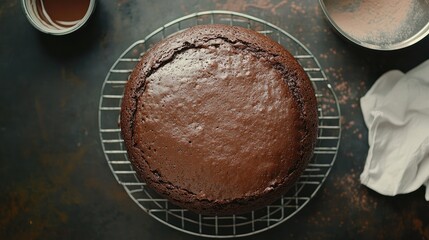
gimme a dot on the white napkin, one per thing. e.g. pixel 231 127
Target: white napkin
pixel 396 112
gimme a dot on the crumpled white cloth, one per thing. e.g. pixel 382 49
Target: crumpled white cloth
pixel 396 112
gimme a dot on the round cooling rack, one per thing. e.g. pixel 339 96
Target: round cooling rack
pixel 183 220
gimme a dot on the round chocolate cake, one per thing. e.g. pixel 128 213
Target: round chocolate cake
pixel 219 119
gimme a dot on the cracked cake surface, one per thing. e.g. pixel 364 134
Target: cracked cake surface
pixel 219 119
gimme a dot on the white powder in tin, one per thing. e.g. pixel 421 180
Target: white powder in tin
pixel 373 21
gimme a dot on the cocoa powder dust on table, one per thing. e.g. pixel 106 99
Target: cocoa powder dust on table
pixel 373 21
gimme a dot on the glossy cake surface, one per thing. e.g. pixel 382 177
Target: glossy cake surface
pixel 219 119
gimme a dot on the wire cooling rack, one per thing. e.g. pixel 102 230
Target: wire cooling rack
pixel 213 226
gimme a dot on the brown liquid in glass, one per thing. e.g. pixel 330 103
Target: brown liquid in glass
pixel 65 10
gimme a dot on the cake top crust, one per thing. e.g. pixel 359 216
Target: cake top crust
pixel 218 113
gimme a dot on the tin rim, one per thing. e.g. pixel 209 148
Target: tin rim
pixel 393 46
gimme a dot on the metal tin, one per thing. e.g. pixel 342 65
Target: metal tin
pixel 28 8
pixel 420 29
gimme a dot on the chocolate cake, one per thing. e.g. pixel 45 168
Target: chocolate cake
pixel 219 119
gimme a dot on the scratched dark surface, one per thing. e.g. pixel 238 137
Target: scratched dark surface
pixel 55 182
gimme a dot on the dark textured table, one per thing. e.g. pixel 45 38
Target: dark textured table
pixel 55 182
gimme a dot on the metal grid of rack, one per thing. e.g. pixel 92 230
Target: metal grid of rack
pixel 213 226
